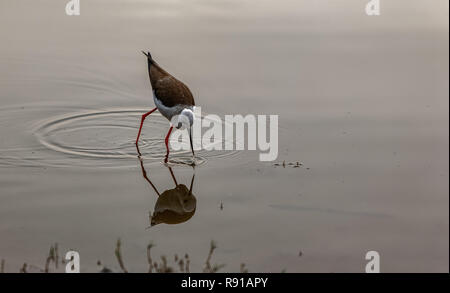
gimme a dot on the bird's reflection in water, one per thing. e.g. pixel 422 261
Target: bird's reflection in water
pixel 173 206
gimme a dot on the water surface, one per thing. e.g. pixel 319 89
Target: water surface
pixel 362 104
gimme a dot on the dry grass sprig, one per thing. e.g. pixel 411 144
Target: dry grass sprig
pixel 119 256
pixel 149 257
pixel 216 267
pixel 51 257
pixel 24 268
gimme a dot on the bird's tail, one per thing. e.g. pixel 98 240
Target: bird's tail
pixel 149 57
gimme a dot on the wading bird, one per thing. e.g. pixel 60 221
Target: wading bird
pixel 172 98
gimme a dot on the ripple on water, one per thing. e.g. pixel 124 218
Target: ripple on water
pixel 101 138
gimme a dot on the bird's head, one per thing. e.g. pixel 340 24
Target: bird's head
pixel 185 119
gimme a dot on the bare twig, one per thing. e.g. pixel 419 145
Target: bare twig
pixel 149 257
pixel 243 268
pixel 56 255
pixel 119 256
pixel 164 268
pixel 181 264
pixel 186 256
pixel 51 257
pixel 208 268
pixel 24 268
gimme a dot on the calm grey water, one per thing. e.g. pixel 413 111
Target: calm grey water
pixel 362 104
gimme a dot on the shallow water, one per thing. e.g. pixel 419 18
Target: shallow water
pixel 362 104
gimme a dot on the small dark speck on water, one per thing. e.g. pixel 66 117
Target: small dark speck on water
pixel 291 164
pixel 300 253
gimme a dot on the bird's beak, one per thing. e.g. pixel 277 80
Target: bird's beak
pixel 190 139
pixel 192 183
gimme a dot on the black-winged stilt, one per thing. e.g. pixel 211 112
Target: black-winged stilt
pixel 171 97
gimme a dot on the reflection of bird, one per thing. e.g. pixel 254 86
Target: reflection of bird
pixel 171 97
pixel 173 206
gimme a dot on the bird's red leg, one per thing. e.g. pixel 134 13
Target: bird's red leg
pixel 142 123
pixel 173 176
pixel 167 144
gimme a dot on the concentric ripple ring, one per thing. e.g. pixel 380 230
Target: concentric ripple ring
pixel 110 135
